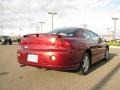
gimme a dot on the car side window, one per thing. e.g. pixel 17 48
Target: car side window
pixel 79 33
pixel 91 36
pixel 71 34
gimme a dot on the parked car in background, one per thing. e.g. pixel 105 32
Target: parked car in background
pixel 6 40
pixel 16 39
pixel 63 49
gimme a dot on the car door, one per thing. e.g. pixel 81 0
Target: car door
pixel 95 45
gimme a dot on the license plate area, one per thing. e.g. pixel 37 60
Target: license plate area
pixel 32 58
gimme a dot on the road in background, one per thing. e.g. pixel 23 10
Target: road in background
pixel 103 76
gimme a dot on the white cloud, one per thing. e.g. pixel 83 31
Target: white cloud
pixel 16 13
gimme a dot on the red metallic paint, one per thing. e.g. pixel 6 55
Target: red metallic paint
pixel 67 50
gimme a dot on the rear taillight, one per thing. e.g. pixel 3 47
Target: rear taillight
pixel 62 43
pixel 58 43
pixel 22 42
pixel 66 44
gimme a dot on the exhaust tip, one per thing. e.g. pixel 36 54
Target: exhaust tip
pixel 23 65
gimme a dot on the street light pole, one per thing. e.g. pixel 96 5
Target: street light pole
pixel 1 27
pixel 52 13
pixel 20 29
pixel 37 28
pixel 108 33
pixel 41 24
pixel 115 19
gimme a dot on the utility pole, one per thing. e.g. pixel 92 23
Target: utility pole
pixel 52 13
pixel 108 33
pixel 20 29
pixel 115 19
pixel 41 24
pixel 37 28
pixel 1 28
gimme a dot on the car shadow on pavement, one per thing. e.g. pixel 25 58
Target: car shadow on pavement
pixel 96 65
pixel 101 63
pixel 93 66
pixel 107 78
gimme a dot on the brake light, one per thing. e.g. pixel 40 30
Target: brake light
pixel 22 42
pixel 60 43
pixel 66 44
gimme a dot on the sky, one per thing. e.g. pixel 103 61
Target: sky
pixel 23 16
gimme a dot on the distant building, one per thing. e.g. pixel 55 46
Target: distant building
pixel 108 37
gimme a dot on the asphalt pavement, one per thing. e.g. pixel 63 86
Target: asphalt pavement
pixel 103 75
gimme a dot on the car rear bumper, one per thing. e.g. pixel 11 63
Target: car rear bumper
pixel 54 67
pixel 63 61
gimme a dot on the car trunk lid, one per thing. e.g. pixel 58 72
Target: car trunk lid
pixel 43 42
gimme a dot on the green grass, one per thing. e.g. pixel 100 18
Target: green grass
pixel 113 43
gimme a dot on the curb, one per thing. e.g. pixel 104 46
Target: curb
pixel 118 47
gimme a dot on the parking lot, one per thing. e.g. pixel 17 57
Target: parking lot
pixel 103 75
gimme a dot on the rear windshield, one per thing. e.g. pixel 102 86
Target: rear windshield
pixel 64 32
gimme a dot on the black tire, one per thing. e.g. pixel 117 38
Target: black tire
pixel 5 42
pixel 19 40
pixel 10 42
pixel 2 43
pixel 85 64
pixel 106 54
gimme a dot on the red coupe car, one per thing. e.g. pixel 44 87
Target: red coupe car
pixel 62 49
